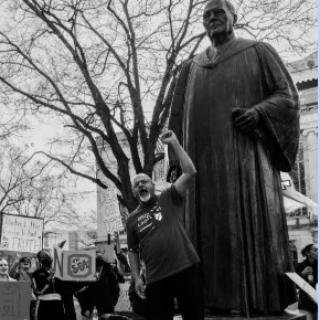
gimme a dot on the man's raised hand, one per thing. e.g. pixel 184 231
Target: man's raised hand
pixel 168 137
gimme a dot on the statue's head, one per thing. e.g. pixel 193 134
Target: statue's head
pixel 219 17
pixel 143 187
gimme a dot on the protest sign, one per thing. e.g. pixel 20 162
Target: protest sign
pixel 15 300
pixel 303 285
pixel 21 233
pixel 109 216
pixel 74 265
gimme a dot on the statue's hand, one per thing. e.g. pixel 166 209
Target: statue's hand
pixel 244 119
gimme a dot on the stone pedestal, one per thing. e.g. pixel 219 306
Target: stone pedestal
pixel 282 317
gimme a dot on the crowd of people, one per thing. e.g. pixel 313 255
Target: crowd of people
pixel 217 236
pixel 53 298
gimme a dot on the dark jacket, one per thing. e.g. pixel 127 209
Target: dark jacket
pixel 305 302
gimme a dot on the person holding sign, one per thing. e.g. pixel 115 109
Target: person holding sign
pixel 49 304
pixel 20 269
pixel 155 235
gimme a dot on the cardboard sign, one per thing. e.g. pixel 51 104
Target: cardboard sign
pixel 303 285
pixel 293 199
pixel 109 217
pixel 21 233
pixel 15 300
pixel 74 265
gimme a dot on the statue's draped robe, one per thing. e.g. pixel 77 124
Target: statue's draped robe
pixel 234 211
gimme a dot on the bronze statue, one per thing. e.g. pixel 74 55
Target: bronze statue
pixel 236 110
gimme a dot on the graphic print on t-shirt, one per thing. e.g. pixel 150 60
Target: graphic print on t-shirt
pixel 156 212
pixel 149 220
pixel 145 223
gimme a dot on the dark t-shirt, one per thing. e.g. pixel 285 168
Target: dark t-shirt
pixel 42 278
pixel 159 235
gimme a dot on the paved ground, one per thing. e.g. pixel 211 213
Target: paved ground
pixel 292 310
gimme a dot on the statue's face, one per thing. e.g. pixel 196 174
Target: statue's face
pixel 143 187
pixel 217 19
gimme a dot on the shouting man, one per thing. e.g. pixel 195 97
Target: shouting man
pixel 156 236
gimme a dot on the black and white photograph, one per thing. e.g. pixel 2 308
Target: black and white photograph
pixel 158 160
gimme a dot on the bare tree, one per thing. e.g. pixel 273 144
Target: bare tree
pixel 27 188
pixel 107 68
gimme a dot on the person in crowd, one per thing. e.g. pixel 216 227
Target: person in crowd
pixel 20 270
pixel 308 270
pixel 155 235
pixel 117 271
pixel 49 305
pixel 4 270
pixel 122 258
pixel 102 294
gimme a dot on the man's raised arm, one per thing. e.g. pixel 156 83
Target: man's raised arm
pixel 187 166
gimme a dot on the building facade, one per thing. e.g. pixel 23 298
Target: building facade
pixel 303 222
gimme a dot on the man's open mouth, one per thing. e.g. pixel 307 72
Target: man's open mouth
pixel 144 195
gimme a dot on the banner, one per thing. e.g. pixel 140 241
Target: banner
pixel 303 285
pixel 74 265
pixel 15 300
pixel 293 199
pixel 21 233
pixel 109 216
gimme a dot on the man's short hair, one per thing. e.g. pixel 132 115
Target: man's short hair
pixel 230 6
pixel 140 174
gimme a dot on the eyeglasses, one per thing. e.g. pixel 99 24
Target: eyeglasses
pixel 216 12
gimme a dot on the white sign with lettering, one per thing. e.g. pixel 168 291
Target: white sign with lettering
pixel 21 233
pixel 109 217
pixel 74 265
